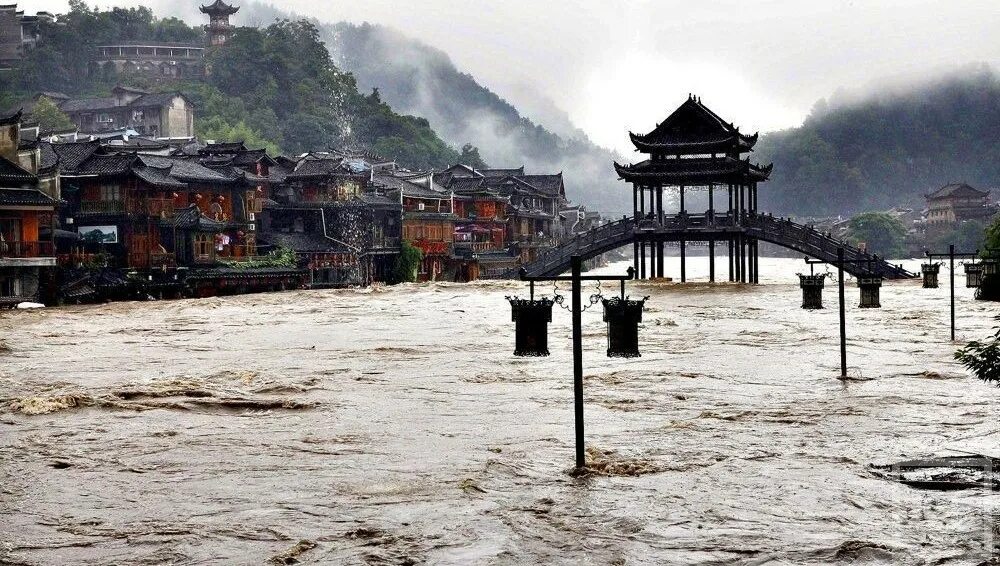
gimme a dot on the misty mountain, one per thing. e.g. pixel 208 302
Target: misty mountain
pixel 414 78
pixel 888 148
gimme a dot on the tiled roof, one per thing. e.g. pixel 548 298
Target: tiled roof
pixel 699 170
pixel 88 104
pixel 13 173
pixel 465 185
pixel 185 169
pixel 158 177
pixel 191 218
pixel 107 164
pixel 49 156
pixel 13 118
pixel 25 197
pixel 502 172
pixel 223 147
pixel 318 168
pixel 957 189
pixel 551 185
pixel 72 154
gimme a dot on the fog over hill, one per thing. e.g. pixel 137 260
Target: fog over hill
pixel 415 78
pixel 887 146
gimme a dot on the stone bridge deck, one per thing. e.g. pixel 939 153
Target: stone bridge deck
pixel 718 227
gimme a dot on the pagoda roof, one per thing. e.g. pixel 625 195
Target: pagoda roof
pixel 697 171
pixel 957 190
pixel 219 7
pixel 694 129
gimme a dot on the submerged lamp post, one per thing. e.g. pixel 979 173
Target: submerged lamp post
pixel 869 284
pixel 930 272
pixel 812 289
pixel 951 255
pixel 532 317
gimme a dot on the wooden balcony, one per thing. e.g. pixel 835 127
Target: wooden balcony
pixel 477 247
pixel 160 207
pixel 26 250
pixel 102 207
pixel 151 260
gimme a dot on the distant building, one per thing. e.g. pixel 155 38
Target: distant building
pixel 219 29
pixel 29 194
pixel 955 203
pixel 158 115
pixel 162 61
pixel 18 33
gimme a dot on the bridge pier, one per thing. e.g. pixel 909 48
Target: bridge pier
pixel 659 265
pixel 711 260
pixel 642 260
pixel 729 255
pixel 635 256
pixel 683 261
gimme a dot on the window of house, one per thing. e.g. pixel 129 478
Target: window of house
pixel 111 192
pixel 203 246
pixel 10 286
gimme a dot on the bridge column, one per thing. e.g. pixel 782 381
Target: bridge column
pixel 756 259
pixel 683 261
pixel 683 207
pixel 711 202
pixel 635 256
pixel 659 262
pixel 741 254
pixel 732 274
pixel 652 260
pixel 711 256
pixel 642 260
pixel 635 202
pixel 659 204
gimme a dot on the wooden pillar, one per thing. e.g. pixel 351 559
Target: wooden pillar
pixel 635 256
pixel 652 260
pixel 642 260
pixel 756 258
pixel 659 262
pixel 711 258
pixel 711 201
pixel 683 207
pixel 642 202
pixel 732 270
pixel 659 203
pixel 635 202
pixel 683 261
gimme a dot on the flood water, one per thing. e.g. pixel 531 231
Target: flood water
pixel 393 426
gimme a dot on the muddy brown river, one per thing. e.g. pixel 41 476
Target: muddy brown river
pixel 393 426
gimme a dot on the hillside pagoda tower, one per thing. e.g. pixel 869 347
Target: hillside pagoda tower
pixel 219 28
pixel 694 149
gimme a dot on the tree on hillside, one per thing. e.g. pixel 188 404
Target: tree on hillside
pixel 967 236
pixel 49 117
pixel 470 156
pixel 881 232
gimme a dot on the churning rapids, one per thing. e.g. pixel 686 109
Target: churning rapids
pixel 393 426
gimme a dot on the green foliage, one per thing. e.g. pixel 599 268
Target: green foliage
pixel 883 233
pixel 274 87
pixel 50 118
pixel 887 149
pixel 407 264
pixel 280 257
pixel 470 156
pixel 967 236
pixel 215 128
pixel 983 358
pixel 993 235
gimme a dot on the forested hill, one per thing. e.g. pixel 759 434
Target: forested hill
pixel 416 78
pixel 275 86
pixel 887 149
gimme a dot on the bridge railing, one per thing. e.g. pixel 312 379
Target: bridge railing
pixel 781 231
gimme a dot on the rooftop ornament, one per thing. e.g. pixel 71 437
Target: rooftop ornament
pixel 532 317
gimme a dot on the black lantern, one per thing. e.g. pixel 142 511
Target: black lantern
pixel 531 318
pixel 623 317
pixel 930 272
pixel 991 266
pixel 973 275
pixel 812 290
pixel 869 292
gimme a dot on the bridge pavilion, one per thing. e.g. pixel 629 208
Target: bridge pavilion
pixel 694 149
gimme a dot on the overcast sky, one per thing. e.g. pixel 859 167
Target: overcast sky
pixel 619 65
